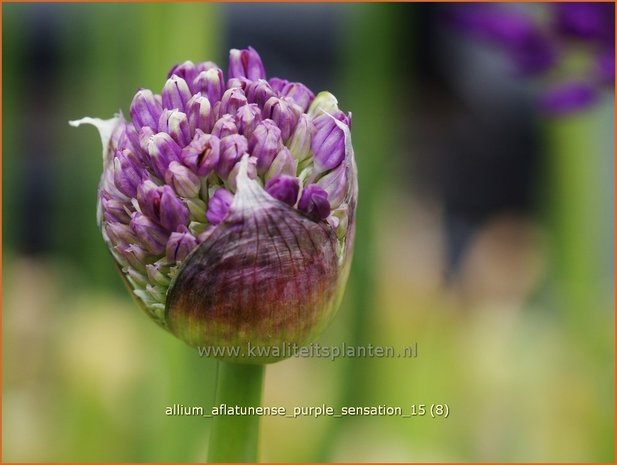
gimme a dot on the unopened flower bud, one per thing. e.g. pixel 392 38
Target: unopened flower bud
pixel 314 202
pixel 232 149
pixel 160 203
pixel 283 163
pixel 120 233
pixel 162 150
pixel 218 205
pixel 158 273
pixel 211 84
pixel 246 63
pixel 127 172
pixel 176 93
pixel 328 142
pixel 296 91
pixel 300 142
pixel 247 119
pixel 179 245
pixel 145 110
pixel 183 180
pixel 189 72
pixel 225 126
pixel 324 102
pixel 202 154
pixel 259 92
pixel 186 71
pixel 173 212
pixel 135 256
pixel 278 84
pixel 335 185
pixel 151 235
pixel 176 124
pixel 232 100
pixel 199 113
pixel 284 188
pixel 114 210
pixel 265 143
pixel 284 114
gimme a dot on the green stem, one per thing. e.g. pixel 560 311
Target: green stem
pixel 234 438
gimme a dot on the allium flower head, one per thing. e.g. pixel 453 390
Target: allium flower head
pixel 229 205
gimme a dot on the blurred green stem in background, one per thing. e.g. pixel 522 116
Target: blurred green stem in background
pixel 580 208
pixel 371 96
pixel 234 438
pixel 369 61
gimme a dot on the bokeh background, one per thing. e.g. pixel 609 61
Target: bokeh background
pixel 485 234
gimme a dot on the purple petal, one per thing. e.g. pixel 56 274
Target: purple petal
pixel 239 83
pixel 278 84
pixel 187 71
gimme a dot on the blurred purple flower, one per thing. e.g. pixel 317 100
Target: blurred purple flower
pixel 537 45
pixel 586 21
pixel 568 97
pixel 521 38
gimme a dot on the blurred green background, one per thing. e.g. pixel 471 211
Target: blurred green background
pixel 485 234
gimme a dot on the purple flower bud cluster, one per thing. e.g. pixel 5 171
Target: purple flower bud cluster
pixel 557 40
pixel 171 175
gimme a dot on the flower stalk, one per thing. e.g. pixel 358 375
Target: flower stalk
pixel 234 438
